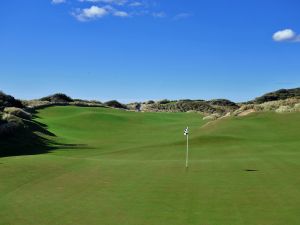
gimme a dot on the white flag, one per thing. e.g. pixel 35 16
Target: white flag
pixel 186 131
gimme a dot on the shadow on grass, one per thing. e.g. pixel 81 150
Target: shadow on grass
pixel 31 140
pixel 250 170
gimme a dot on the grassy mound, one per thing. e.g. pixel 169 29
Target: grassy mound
pixel 220 106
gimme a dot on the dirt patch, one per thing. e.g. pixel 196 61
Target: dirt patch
pixel 247 112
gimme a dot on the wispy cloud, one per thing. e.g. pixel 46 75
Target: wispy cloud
pixel 159 14
pixel 286 35
pixel 121 14
pixel 116 2
pixel 135 4
pixel 58 1
pixel 181 16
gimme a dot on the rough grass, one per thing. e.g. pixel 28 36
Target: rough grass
pixel 243 170
pixel 280 106
pixel 9 124
pixel 18 112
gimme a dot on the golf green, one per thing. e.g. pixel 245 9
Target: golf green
pixel 115 167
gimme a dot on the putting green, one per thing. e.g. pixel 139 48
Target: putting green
pixel 115 167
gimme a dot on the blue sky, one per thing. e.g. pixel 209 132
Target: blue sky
pixel 135 50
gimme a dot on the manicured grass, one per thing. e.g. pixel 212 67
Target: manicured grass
pixel 118 167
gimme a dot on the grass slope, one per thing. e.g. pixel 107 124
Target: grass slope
pixel 128 169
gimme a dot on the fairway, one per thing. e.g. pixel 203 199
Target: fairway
pixel 115 167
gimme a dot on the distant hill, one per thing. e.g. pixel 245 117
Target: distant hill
pixel 220 106
pixel 281 94
pixel 16 116
pixel 215 106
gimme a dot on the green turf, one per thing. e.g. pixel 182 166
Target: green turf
pixel 127 168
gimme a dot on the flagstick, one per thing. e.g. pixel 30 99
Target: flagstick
pixel 187 151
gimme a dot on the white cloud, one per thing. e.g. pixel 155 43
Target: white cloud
pixel 286 35
pixel 120 14
pixel 93 12
pixel 58 1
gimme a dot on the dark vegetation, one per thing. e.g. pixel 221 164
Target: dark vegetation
pixel 115 104
pixel 90 101
pixel 281 94
pixel 9 101
pixel 164 101
pixel 19 134
pixel 59 97
pixel 150 102
pixel 29 139
pixel 222 102
pixel 23 140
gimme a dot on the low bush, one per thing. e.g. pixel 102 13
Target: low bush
pixel 183 106
pixel 59 97
pixel 9 101
pixel 115 104
pixel 12 119
pixel 10 124
pixel 164 101
pixel 150 102
pixel 281 94
pixel 297 107
pixel 222 102
pixel 284 109
pixel 18 112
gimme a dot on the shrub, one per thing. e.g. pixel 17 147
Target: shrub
pixel 10 124
pixel 115 104
pixel 222 102
pixel 281 94
pixel 150 102
pixel 95 102
pixel 284 109
pixel 297 107
pixel 183 106
pixel 18 112
pixel 9 101
pixel 1 120
pixel 59 97
pixel 185 100
pixel 164 101
pixel 12 119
